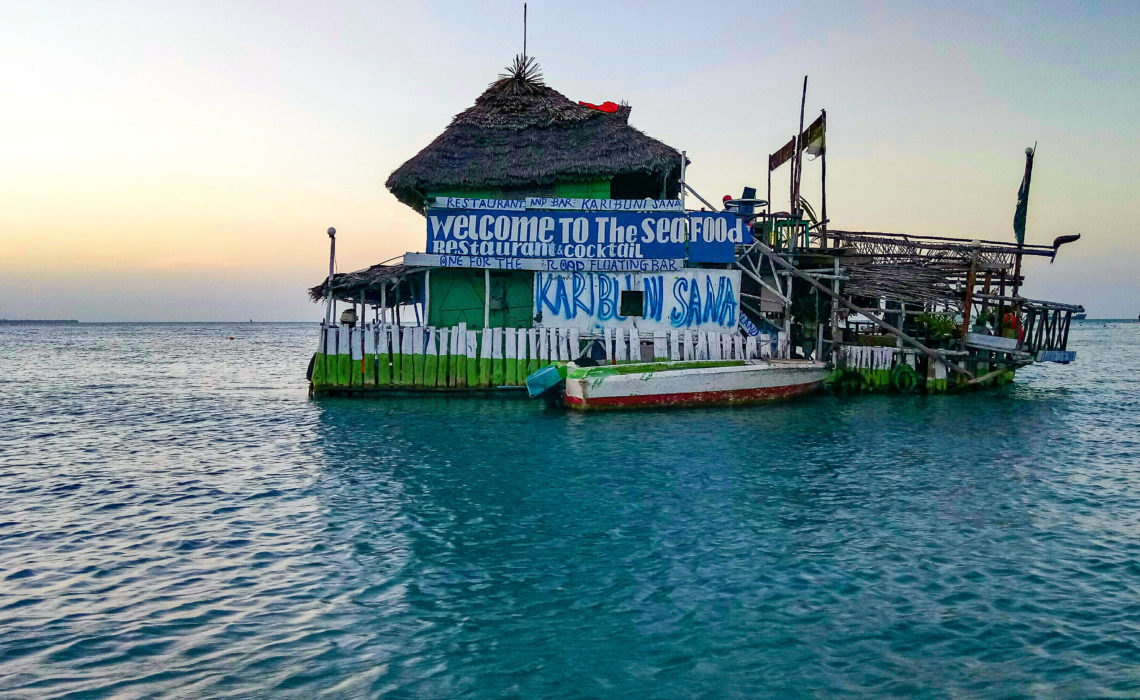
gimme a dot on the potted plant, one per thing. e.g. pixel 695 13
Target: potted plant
pixel 940 328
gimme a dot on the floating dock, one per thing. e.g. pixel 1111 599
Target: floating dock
pixel 558 233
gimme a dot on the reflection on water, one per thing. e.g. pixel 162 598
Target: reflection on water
pixel 177 515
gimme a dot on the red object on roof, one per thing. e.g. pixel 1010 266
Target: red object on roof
pixel 609 107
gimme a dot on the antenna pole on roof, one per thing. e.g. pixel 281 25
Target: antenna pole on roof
pixel 524 31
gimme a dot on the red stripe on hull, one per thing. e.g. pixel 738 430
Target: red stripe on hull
pixel 700 398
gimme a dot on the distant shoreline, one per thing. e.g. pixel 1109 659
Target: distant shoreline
pixel 37 321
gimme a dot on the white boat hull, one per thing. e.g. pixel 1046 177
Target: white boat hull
pixel 690 383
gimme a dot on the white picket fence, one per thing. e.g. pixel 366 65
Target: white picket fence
pixel 382 354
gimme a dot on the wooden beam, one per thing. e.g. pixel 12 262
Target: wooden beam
pixel 932 354
pixel 765 285
pixel 984 377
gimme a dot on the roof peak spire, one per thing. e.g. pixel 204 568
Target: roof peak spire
pixel 522 76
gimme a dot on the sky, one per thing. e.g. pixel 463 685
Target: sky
pixel 182 160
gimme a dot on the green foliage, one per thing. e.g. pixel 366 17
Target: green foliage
pixel 938 326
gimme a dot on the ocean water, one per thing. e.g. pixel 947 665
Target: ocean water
pixel 178 518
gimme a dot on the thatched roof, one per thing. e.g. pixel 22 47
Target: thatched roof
pixel 521 133
pixel 399 281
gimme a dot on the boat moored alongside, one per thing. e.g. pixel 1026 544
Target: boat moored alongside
pixel 698 383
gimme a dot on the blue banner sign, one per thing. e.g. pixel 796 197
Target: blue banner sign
pixel 696 236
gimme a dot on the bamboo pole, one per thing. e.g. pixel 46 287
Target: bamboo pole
pixel 764 284
pixel 698 196
pixel 797 158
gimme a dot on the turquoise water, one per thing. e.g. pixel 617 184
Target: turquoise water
pixel 177 517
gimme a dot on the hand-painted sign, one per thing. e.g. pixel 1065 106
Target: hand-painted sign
pixel 748 326
pixel 696 236
pixel 558 203
pixel 691 298
pixel 544 264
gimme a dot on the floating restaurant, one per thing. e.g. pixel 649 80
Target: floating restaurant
pixel 566 254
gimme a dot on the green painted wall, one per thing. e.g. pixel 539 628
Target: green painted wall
pixel 589 189
pixel 512 299
pixel 457 296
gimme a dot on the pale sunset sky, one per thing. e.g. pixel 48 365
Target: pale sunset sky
pixel 182 160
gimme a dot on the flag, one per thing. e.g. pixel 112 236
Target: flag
pixel 1023 198
pixel 815 136
pixel 811 138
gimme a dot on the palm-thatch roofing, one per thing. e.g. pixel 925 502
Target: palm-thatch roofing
pixel 521 134
pixel 401 285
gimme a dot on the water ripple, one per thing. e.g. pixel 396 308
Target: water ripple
pixel 177 518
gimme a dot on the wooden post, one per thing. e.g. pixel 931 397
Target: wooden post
pixel 968 304
pixel 431 358
pixel 986 290
pixel 1017 276
pixel 797 157
pixel 427 295
pixel 835 309
pixel 682 191
pixel 328 288
pixel 823 184
pixel 485 358
pixel 1001 304
pixel 818 339
pixel 418 355
pixel 788 308
pixel 363 325
pixel 769 205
